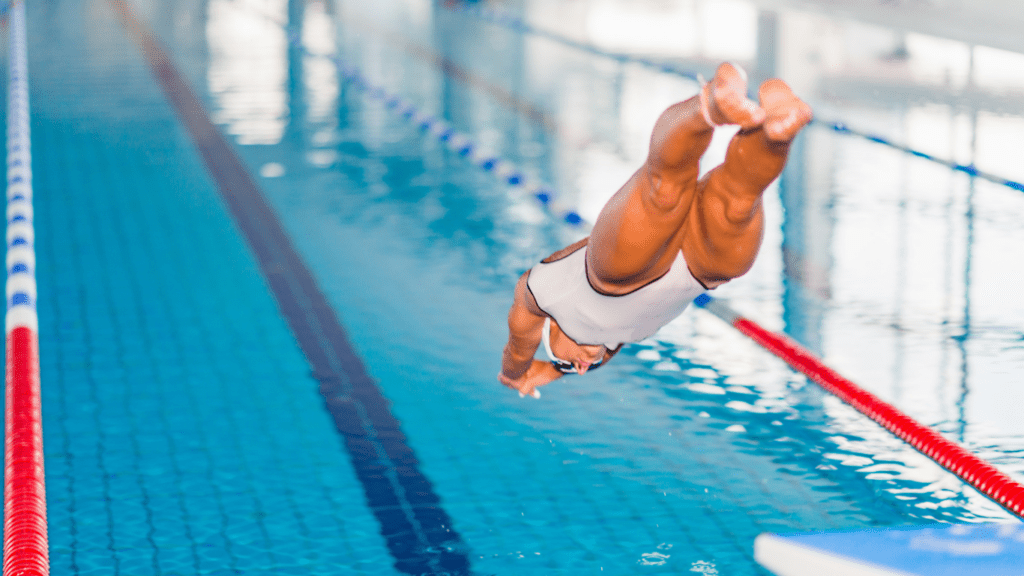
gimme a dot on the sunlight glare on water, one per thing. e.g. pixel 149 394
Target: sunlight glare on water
pixel 248 68
pixel 899 218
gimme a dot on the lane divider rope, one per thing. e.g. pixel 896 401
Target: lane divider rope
pixel 983 476
pixel 510 21
pixel 461 143
pixel 25 539
pixel 973 470
pixel 519 104
pixel 980 474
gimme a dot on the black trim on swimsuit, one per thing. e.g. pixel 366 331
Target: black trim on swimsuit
pixel 586 272
pixel 586 269
pixel 582 244
pixel 702 284
pixel 534 296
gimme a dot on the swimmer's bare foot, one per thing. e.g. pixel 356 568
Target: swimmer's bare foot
pixel 724 100
pixel 787 114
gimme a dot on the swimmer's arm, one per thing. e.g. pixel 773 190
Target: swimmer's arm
pixel 540 373
pixel 519 370
pixel 525 326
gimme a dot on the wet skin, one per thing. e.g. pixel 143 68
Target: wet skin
pixel 717 221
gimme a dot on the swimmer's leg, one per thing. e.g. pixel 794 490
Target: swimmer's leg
pixel 723 238
pixel 629 244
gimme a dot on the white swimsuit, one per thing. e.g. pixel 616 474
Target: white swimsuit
pixel 563 291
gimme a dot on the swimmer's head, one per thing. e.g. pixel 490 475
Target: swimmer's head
pixel 567 355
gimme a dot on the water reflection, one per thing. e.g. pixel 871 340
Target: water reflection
pixel 248 68
pixel 893 268
pixel 808 434
pixel 961 400
pixel 320 84
pixel 807 237
pixel 876 245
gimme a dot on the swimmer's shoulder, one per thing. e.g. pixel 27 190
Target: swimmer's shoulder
pixel 567 251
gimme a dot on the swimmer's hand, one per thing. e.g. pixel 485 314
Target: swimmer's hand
pixel 538 374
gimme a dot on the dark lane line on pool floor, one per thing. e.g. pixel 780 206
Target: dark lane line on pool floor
pixel 418 532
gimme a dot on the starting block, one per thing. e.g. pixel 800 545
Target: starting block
pixel 929 550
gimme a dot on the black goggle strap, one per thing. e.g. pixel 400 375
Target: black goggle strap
pixel 563 366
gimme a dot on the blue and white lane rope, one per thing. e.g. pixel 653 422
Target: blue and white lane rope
pixel 21 256
pixel 26 549
pixel 507 20
pixel 968 169
pixel 503 169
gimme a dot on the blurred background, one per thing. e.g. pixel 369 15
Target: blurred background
pixel 903 273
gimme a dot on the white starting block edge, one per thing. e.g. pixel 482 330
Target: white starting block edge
pixel 785 558
pixel 930 550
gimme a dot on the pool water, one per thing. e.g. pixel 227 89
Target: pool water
pixel 183 426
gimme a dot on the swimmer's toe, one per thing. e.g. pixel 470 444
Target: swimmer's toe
pixel 786 114
pixel 726 98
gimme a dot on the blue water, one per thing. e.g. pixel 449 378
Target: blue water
pixel 184 433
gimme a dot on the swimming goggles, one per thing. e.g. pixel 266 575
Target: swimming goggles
pixel 563 366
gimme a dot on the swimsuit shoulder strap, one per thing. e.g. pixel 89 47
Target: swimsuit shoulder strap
pixel 546 337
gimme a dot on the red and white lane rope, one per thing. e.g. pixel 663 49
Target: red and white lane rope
pixel 980 474
pixel 25 543
pixel 973 470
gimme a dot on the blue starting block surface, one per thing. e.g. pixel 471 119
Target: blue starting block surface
pixel 935 550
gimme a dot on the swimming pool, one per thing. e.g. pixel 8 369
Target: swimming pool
pixel 184 431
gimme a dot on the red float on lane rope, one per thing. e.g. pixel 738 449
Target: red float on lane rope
pixel 25 542
pixel 983 476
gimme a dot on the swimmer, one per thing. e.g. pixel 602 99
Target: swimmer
pixel 663 239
